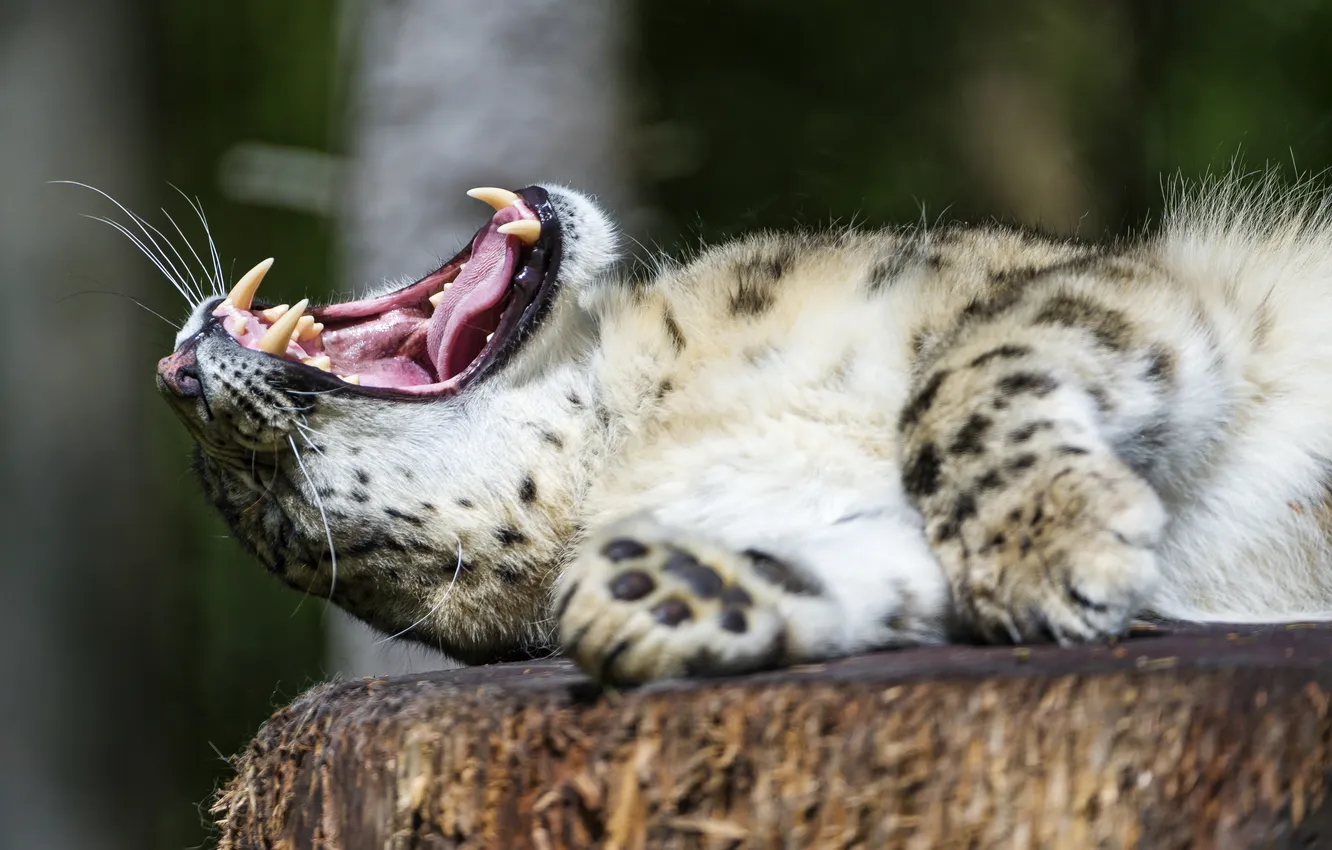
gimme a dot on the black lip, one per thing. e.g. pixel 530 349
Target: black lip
pixel 517 322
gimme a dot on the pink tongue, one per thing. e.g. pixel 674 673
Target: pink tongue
pixel 456 334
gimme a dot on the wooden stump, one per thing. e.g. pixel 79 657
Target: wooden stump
pixel 1188 738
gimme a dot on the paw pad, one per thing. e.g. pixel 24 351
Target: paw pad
pixel 672 611
pixel 631 585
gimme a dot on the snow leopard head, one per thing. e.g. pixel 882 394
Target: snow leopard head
pixel 415 456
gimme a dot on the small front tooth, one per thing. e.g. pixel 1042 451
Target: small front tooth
pixel 272 314
pixel 242 294
pixel 436 298
pixel 352 379
pixel 278 336
pixel 497 198
pixel 323 362
pixel 305 329
pixel 489 336
pixel 527 230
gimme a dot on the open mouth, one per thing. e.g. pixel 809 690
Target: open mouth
pixel 432 337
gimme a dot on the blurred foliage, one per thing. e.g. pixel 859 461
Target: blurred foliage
pixel 1059 113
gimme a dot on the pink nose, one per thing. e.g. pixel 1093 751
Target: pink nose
pixel 178 373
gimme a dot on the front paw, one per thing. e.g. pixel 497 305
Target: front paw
pixel 1061 549
pixel 645 602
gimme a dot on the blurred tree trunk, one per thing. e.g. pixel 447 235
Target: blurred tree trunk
pixel 473 93
pixel 82 595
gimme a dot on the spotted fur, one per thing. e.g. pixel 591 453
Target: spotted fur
pixel 794 447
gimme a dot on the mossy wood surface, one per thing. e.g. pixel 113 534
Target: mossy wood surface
pixel 1186 738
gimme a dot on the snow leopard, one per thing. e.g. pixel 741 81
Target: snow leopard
pixel 788 447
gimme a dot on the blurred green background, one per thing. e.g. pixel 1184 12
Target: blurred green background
pixel 161 648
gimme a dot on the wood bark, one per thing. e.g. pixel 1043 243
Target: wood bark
pixel 1189 738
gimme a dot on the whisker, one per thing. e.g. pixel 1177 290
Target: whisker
pixel 457 569
pixel 138 243
pixel 133 217
pixel 185 267
pixel 212 246
pixel 319 503
pixel 203 269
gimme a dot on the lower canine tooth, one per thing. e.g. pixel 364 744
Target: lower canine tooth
pixel 526 230
pixel 323 362
pixel 352 379
pixel 277 337
pixel 489 336
pixel 436 298
pixel 239 327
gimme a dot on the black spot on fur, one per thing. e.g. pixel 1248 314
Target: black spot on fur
pixel 672 611
pixel 920 403
pixel 1036 383
pixel 982 308
pixel 748 300
pixel 507 535
pixel 1022 461
pixel 527 491
pixel 921 476
pixel 990 481
pixel 673 331
pixel 427 506
pixel 1110 327
pixel 1072 450
pixel 631 585
pixel 1161 366
pixel 968 439
pixel 623 548
pixel 362 477
pixel 574 399
pixel 782 574
pixel 405 517
pixel 1026 432
pixel 509 573
pixel 1004 352
pixel 919 341
pixel 886 271
pixel 1100 397
pixel 734 621
pixel 552 438
pixel 360 496
pixel 664 388
pixel 466 503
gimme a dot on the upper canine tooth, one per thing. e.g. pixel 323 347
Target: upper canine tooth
pixel 436 298
pixel 242 294
pixel 497 198
pixel 277 337
pixel 272 314
pixel 526 230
